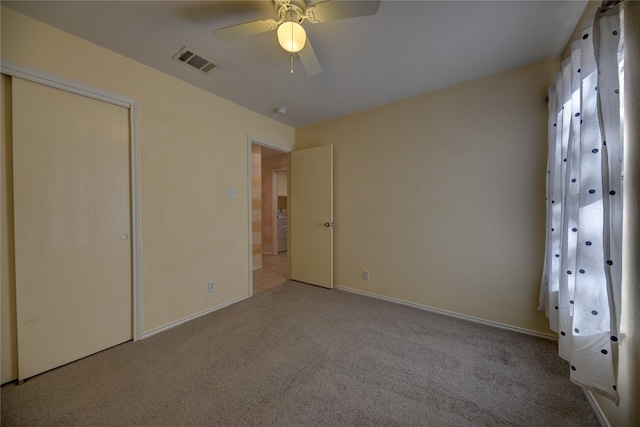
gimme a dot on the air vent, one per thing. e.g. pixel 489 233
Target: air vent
pixel 195 60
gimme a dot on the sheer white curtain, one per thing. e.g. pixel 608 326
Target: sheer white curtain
pixel 582 270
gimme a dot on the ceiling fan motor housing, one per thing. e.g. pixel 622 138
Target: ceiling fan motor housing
pixel 299 5
pixel 292 15
pixel 290 12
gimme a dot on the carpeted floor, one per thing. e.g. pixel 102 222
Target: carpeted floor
pixel 298 355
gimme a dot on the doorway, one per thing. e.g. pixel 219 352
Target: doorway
pixel 269 219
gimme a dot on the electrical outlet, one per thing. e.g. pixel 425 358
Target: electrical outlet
pixel 232 193
pixel 212 286
pixel 365 274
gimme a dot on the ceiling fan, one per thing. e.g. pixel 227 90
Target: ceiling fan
pixel 291 35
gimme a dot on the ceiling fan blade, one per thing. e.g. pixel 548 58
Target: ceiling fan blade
pixel 332 10
pixel 244 30
pixel 309 60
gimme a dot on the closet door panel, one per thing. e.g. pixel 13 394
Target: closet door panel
pixel 72 226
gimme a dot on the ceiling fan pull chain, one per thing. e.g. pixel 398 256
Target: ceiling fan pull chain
pixel 292 49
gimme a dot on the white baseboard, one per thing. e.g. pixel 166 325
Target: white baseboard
pixel 450 313
pixel 188 318
pixel 591 398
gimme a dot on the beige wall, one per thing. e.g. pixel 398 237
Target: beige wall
pixel 191 232
pixel 442 196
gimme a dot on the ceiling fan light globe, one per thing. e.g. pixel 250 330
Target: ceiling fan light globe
pixel 291 36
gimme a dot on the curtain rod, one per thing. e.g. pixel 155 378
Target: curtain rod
pixel 608 4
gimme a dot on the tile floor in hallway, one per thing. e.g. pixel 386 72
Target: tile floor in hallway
pixel 273 272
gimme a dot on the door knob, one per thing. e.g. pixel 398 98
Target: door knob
pixel 328 224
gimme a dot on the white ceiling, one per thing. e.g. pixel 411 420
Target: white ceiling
pixel 407 48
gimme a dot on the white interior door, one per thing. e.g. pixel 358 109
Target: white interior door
pixel 72 210
pixel 311 216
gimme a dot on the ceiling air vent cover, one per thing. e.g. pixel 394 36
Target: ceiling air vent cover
pixel 189 57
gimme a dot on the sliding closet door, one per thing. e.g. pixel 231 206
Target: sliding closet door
pixel 72 226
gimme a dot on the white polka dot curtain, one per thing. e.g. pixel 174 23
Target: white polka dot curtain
pixel 582 270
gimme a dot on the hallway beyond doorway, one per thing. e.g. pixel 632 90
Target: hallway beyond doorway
pixel 273 272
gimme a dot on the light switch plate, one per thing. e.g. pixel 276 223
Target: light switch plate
pixel 232 193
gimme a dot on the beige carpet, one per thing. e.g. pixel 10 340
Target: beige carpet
pixel 298 355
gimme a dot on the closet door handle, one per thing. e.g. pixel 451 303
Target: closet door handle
pixel 328 224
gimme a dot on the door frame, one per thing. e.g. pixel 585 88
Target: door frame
pixel 250 141
pixel 24 72
pixel 274 205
